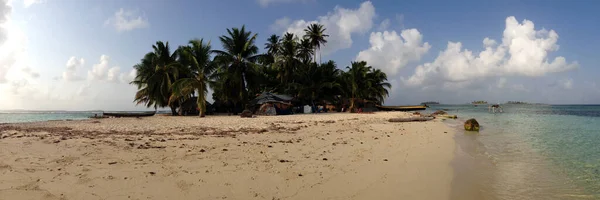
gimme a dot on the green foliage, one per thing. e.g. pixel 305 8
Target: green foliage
pixel 238 72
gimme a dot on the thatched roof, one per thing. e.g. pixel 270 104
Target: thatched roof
pixel 267 97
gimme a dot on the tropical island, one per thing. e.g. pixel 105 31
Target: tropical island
pixel 237 73
pixel 479 102
pixel 309 156
pixel 430 103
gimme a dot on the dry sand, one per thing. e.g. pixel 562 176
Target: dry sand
pixel 315 156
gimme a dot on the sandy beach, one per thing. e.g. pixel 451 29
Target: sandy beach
pixel 312 156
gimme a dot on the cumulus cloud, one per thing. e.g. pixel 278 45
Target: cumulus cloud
pixel 341 24
pixel 384 25
pixel 127 20
pixel 281 24
pixel 73 64
pixel 566 83
pixel 128 77
pixel 102 71
pixel 30 72
pixel 6 61
pixel 28 3
pixel 523 52
pixel 391 52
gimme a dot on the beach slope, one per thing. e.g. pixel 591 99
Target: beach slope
pixel 316 156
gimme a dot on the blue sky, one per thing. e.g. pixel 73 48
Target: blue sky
pixel 46 39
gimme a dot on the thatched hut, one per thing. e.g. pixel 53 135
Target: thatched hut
pixel 190 107
pixel 273 104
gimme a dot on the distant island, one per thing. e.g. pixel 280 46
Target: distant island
pixel 516 102
pixel 430 103
pixel 479 102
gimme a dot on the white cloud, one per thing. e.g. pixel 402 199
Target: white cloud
pixel 501 82
pixel 13 54
pixel 127 20
pixel 523 52
pixel 340 25
pixel 30 72
pixel 384 25
pixel 83 89
pixel 28 3
pixel 566 83
pixel 281 24
pixel 102 71
pixel 6 56
pixel 391 52
pixel 265 3
pixel 128 77
pixel 73 64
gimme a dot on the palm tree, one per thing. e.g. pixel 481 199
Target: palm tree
pixel 288 62
pixel 273 45
pixel 314 81
pixel 155 75
pixel 363 82
pixel 377 84
pixel 195 56
pixel 305 51
pixel 355 81
pixel 316 34
pixel 237 60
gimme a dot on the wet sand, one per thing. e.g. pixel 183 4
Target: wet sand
pixel 317 156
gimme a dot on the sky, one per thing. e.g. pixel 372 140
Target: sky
pixel 78 55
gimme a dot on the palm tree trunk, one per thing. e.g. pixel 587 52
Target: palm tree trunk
pixel 315 55
pixel 173 110
pixel 351 104
pixel 201 102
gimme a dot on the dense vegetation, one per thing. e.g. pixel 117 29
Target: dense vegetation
pixel 238 72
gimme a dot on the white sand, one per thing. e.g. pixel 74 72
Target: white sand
pixel 227 157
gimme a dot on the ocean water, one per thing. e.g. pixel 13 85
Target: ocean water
pixel 531 151
pixel 35 116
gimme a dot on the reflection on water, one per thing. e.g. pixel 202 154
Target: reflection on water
pixel 531 152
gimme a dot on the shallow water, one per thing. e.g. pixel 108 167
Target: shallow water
pixel 19 117
pixel 529 152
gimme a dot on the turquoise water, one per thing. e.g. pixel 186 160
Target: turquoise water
pixel 34 116
pixel 536 151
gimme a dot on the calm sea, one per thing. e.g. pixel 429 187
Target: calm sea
pixel 36 116
pixel 532 151
pixel 526 152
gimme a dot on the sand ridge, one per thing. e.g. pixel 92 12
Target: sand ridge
pixel 316 156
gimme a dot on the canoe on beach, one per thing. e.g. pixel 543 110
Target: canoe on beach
pixel 129 114
pixel 401 108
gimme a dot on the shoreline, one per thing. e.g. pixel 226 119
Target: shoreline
pixel 318 156
pixel 505 172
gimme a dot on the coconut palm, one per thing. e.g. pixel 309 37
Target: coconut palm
pixel 305 51
pixel 316 34
pixel 363 82
pixel 196 57
pixel 238 59
pixel 155 75
pixel 273 45
pixel 288 62
pixel 314 81
pixel 355 81
pixel 377 86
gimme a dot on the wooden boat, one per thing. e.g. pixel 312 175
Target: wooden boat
pixel 128 114
pixel 400 108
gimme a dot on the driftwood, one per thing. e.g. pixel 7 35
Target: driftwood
pixel 411 119
pixel 448 116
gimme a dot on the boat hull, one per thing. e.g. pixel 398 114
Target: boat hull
pixel 401 108
pixel 140 114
